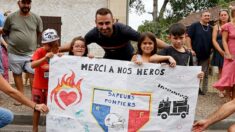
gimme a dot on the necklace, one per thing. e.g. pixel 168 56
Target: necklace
pixel 207 28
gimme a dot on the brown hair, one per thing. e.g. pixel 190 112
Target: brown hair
pixel 103 11
pixel 73 42
pixel 227 14
pixel 152 37
pixel 232 13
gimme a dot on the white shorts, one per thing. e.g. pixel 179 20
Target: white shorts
pixel 19 64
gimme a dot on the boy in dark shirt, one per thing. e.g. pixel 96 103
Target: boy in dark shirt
pixel 183 57
pixel 177 35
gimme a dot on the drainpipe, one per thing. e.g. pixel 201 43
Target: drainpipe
pixel 127 12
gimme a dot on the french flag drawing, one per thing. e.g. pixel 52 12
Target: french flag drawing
pixel 120 111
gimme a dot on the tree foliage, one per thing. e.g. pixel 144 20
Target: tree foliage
pixel 137 5
pixel 179 9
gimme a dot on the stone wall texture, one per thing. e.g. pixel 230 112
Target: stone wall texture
pixel 78 16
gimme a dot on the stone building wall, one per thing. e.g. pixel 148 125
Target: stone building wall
pixel 78 16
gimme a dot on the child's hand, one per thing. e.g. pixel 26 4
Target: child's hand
pixel 60 54
pixel 49 55
pixel 200 75
pixel 172 61
pixel 138 62
pixel 45 67
pixel 91 56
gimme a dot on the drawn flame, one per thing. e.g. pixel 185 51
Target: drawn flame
pixel 66 83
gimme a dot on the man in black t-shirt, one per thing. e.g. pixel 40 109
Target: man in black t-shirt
pixel 114 38
pixel 200 44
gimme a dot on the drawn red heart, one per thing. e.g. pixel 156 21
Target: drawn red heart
pixel 68 98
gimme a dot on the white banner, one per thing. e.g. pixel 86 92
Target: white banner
pixel 101 95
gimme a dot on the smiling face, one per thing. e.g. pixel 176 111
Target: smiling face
pixel 205 17
pixel 79 48
pixel 104 24
pixel 147 46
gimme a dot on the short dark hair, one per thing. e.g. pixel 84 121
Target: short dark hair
pixel 103 11
pixel 177 29
pixel 204 12
pixel 25 1
pixel 73 42
pixel 152 37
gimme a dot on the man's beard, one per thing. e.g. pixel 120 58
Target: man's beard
pixel 25 10
pixel 108 31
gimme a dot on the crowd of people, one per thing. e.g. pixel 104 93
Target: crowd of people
pixel 187 46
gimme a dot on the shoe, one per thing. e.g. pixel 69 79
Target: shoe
pixel 200 92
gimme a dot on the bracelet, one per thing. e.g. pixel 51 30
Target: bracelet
pixel 35 106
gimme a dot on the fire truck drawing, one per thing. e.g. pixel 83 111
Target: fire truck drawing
pixel 173 108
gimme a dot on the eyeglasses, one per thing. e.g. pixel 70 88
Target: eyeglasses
pixel 80 46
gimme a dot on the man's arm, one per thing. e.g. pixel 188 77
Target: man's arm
pixel 1 30
pixel 189 45
pixel 65 47
pixel 89 38
pixel 223 112
pixel 190 34
pixel 3 42
pixel 7 89
pixel 161 44
pixel 134 36
pixel 188 42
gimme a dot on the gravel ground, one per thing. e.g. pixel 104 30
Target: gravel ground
pixel 207 104
pixel 7 102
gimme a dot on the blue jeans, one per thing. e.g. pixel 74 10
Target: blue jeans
pixel 6 117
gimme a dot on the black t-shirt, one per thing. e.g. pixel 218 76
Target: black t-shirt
pixel 116 46
pixel 181 58
pixel 201 38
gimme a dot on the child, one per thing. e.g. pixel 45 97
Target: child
pixel 50 46
pixel 182 56
pixel 147 48
pixel 78 47
pixel 177 36
pixel 3 51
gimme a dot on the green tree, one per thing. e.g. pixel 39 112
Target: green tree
pixel 165 17
pixel 137 5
